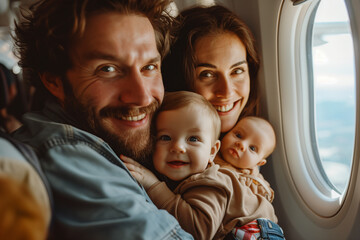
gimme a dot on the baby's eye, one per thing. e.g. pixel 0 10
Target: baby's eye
pixel 238 135
pixel 194 139
pixel 164 138
pixel 253 148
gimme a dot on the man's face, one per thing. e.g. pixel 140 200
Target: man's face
pixel 115 81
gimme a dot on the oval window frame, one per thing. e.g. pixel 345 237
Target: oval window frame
pixel 305 172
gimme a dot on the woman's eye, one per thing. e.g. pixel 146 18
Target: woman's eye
pixel 238 71
pixel 149 67
pixel 193 139
pixel 206 74
pixel 164 138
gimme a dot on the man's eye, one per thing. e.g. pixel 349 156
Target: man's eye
pixel 194 139
pixel 164 138
pixel 108 69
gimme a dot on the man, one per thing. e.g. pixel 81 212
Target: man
pixel 97 62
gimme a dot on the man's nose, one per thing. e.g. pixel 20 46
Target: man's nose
pixel 137 91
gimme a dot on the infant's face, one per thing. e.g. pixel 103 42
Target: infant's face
pixel 183 142
pixel 247 144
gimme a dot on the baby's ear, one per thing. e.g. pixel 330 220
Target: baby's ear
pixel 262 162
pixel 214 150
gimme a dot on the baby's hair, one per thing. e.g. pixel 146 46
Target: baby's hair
pixel 180 99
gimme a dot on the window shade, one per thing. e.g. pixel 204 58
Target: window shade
pixel 296 2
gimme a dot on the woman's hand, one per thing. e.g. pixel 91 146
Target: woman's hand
pixel 139 172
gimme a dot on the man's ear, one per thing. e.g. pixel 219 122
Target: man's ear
pixel 262 162
pixel 214 150
pixel 54 85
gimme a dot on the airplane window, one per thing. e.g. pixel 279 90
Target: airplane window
pixel 334 100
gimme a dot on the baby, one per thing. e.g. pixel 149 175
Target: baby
pixel 245 148
pixel 209 201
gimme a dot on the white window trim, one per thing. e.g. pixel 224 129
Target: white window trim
pixel 309 182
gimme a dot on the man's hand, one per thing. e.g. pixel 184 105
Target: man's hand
pixel 139 172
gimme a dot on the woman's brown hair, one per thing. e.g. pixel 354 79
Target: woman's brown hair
pixel 179 65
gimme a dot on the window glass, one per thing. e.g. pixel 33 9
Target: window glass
pixel 334 91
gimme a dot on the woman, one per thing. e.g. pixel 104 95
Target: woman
pixel 214 55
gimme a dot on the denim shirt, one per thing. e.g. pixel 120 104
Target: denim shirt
pixel 95 196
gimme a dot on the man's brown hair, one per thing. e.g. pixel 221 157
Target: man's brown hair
pixel 43 38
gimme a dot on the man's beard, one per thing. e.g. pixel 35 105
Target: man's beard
pixel 137 144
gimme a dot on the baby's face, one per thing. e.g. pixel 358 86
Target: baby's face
pixel 247 144
pixel 183 143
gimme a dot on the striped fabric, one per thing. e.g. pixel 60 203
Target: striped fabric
pixel 250 231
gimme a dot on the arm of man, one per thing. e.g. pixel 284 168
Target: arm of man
pixel 97 198
pixel 143 175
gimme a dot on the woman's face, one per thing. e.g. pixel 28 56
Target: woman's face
pixel 222 75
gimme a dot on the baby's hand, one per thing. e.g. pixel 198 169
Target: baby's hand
pixel 142 174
